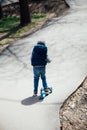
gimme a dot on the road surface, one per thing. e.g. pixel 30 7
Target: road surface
pixel 67 44
pixel 7 2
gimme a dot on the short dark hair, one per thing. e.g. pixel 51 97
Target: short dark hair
pixel 41 43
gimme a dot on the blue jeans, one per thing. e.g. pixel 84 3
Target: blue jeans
pixel 39 71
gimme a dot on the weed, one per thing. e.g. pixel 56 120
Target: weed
pixel 38 16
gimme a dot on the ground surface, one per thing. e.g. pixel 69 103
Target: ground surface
pixel 67 43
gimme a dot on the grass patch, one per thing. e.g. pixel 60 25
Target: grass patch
pixel 1 44
pixel 38 16
pixel 11 31
pixel 8 23
pixel 5 43
pixel 25 29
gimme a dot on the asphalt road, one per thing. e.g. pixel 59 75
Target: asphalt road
pixel 66 38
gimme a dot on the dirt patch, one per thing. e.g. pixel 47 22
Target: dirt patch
pixel 73 111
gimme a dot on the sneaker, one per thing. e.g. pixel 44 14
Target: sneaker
pixel 35 94
pixel 47 90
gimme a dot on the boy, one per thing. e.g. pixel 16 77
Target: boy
pixel 39 61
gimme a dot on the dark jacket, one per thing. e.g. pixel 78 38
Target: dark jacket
pixel 39 55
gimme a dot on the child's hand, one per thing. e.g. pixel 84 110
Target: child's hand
pixel 48 60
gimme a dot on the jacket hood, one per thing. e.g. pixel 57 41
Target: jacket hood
pixel 40 49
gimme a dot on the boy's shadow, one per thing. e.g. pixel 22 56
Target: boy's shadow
pixel 30 100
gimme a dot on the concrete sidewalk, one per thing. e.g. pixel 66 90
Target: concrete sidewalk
pixel 7 2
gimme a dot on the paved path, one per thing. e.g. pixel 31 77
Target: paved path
pixel 7 2
pixel 66 38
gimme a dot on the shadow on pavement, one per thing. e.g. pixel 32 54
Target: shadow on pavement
pixel 30 100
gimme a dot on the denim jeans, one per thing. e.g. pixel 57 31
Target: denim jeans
pixel 39 71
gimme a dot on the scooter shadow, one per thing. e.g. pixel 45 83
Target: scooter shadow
pixel 30 100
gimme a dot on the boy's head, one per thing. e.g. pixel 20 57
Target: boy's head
pixel 40 43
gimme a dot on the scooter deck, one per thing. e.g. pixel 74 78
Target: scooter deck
pixel 43 94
